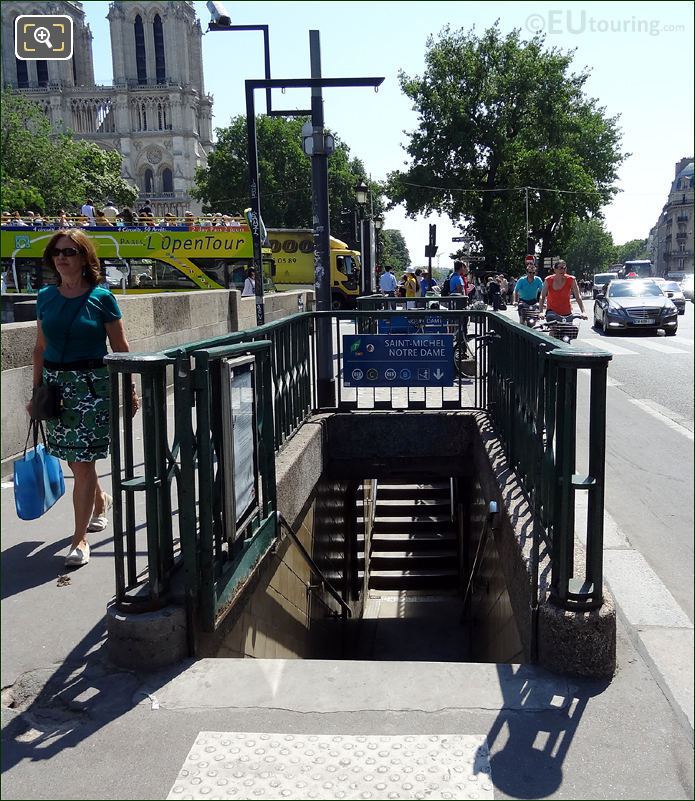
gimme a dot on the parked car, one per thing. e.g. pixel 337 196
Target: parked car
pixel 675 275
pixel 672 290
pixel 601 281
pixel 631 304
pixel 687 287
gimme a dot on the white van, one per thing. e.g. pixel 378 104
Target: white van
pixel 601 281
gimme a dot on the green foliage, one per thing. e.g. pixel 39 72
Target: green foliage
pixel 590 249
pixel 393 249
pixel 497 114
pixel 46 170
pixel 634 249
pixel 285 176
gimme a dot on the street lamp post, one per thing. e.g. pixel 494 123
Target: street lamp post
pixel 363 196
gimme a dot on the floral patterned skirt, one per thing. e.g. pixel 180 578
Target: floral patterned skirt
pixel 81 433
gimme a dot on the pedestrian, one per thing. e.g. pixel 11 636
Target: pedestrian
pixel 128 217
pixel 510 289
pixel 74 319
pixel 428 285
pixel 88 212
pixel 493 291
pixel 557 291
pixel 101 220
pixel 110 211
pixel 387 282
pixel 17 220
pixel 249 284
pixel 456 279
pixel 410 285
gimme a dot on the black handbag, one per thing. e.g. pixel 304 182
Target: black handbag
pixel 46 402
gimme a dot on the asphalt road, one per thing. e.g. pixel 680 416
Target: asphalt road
pixel 649 445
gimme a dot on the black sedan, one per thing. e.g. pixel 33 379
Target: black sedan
pixel 635 304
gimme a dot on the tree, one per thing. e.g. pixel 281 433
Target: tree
pixel 285 176
pixel 393 249
pixel 590 249
pixel 46 170
pixel 634 249
pixel 496 115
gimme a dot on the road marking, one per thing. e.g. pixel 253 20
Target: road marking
pixel 658 346
pixel 611 382
pixel 648 406
pixel 611 347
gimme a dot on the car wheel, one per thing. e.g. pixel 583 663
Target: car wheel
pixel 672 332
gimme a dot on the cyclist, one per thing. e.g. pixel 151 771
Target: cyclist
pixel 557 290
pixel 527 290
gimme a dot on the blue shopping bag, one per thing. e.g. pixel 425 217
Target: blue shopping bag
pixel 38 477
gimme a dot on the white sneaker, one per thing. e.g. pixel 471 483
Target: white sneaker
pixel 99 522
pixel 77 557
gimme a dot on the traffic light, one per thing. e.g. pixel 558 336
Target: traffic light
pixel 348 222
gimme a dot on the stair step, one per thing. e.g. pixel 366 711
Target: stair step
pixel 412 491
pixel 410 538
pixel 412 579
pixel 417 503
pixel 433 555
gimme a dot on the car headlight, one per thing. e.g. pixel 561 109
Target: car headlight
pixel 617 310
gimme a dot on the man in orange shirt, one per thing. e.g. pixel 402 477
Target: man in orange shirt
pixel 558 289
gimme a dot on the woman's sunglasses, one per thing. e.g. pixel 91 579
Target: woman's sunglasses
pixel 64 252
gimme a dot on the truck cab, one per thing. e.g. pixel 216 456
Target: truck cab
pixel 293 252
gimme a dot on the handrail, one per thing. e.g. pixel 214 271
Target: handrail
pixel 487 528
pixel 282 523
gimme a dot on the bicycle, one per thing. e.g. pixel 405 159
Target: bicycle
pixel 560 326
pixel 528 313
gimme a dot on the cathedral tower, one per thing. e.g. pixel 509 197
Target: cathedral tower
pixel 155 112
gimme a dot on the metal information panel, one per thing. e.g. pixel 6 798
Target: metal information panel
pixel 240 445
pixel 398 360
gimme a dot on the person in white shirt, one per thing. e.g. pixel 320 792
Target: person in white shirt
pixel 110 211
pixel 88 211
pixel 387 282
pixel 250 284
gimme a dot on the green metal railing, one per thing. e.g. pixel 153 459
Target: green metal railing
pixel 525 381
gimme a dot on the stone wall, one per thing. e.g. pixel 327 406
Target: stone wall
pixel 152 322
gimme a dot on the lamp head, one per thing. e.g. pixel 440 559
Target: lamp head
pixel 219 13
pixel 361 192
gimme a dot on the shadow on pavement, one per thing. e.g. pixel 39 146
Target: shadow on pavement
pixel 50 711
pixel 529 764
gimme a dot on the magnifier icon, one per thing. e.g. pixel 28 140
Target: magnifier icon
pixel 42 36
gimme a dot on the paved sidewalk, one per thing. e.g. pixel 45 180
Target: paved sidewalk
pixel 76 727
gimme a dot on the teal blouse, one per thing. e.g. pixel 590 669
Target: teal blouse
pixel 86 337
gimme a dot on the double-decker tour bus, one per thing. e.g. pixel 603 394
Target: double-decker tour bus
pixel 142 259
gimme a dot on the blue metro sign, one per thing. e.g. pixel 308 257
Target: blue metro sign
pixel 398 360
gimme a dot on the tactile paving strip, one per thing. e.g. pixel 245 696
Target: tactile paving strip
pixel 241 765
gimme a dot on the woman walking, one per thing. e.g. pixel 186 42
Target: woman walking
pixel 74 319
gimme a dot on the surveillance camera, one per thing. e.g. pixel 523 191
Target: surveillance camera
pixel 218 13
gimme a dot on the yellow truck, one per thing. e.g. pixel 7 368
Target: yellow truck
pixel 293 252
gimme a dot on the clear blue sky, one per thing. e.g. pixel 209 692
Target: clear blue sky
pixel 640 55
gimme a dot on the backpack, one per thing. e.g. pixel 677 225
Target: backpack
pixel 446 286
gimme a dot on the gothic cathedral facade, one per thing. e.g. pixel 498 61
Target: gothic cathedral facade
pixel 155 112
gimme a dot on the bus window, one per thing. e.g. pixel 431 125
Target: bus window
pixel 156 274
pixel 231 273
pixel 31 274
